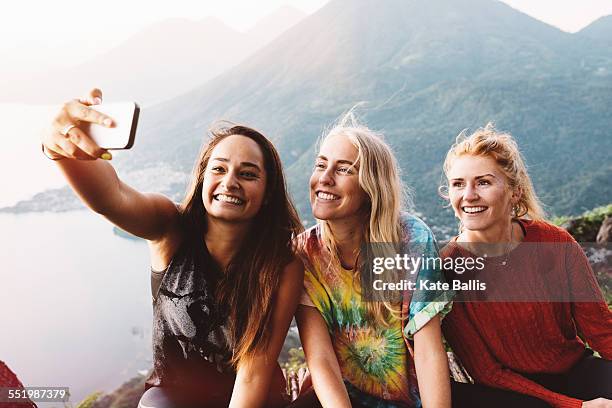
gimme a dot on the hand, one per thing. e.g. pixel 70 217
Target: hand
pixel 597 403
pixel 76 144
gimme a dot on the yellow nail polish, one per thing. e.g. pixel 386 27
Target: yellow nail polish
pixel 106 156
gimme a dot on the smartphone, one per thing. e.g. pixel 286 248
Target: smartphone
pixel 123 133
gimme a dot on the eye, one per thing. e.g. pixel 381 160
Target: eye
pixel 320 165
pixel 249 175
pixel 344 170
pixel 484 182
pixel 217 169
pixel 457 184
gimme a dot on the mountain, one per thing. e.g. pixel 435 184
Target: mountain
pixel 275 23
pixel 162 61
pixel 426 69
pixel 600 29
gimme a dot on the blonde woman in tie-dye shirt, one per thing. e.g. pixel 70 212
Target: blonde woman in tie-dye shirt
pixel 369 354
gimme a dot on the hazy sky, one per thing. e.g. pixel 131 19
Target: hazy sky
pixel 37 34
pixel 568 15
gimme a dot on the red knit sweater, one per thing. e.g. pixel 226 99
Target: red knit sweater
pixel 497 341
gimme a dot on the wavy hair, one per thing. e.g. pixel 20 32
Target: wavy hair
pixel 501 147
pixel 251 280
pixel 379 177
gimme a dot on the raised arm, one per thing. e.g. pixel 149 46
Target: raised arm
pixel 253 379
pixel 321 359
pixel 431 366
pixel 95 181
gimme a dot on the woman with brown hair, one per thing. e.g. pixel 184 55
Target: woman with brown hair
pixel 226 283
pixel 525 346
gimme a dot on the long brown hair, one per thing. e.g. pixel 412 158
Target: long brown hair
pixel 251 280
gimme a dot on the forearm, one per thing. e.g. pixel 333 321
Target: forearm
pixel 509 380
pixel 95 182
pixel 433 377
pixel 431 364
pixel 250 390
pixel 594 322
pixel 328 384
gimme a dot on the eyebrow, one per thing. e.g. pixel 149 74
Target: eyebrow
pixel 244 164
pixel 477 177
pixel 339 161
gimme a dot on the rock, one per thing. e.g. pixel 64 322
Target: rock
pixel 126 396
pixel 583 230
pixel 605 231
pixel 9 379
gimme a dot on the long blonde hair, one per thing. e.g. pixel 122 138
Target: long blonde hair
pixel 502 147
pixel 379 177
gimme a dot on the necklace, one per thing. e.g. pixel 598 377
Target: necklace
pixel 507 248
pixel 506 251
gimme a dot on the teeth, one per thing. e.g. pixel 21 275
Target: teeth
pixel 473 210
pixel 228 199
pixel 326 196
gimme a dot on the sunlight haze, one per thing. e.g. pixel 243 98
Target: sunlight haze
pixel 39 35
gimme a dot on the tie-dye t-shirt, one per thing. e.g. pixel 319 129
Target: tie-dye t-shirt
pixel 375 360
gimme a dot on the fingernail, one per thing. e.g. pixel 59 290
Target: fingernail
pixel 107 122
pixel 97 100
pixel 106 156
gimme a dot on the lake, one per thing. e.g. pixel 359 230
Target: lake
pixel 75 302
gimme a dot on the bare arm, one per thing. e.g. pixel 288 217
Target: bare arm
pixel 321 359
pixel 431 366
pixel 252 386
pixel 150 216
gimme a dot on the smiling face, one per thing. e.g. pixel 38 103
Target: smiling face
pixel 234 183
pixel 479 192
pixel 335 193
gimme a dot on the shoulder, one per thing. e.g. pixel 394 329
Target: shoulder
pixel 294 269
pixel 542 231
pixel 292 277
pixel 308 240
pixel 415 229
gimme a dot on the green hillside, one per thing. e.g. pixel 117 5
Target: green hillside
pixel 427 69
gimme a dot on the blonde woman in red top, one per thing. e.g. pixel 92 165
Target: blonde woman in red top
pixel 525 346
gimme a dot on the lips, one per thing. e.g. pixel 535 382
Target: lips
pixel 228 199
pixel 326 196
pixel 474 209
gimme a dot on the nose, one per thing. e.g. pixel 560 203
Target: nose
pixel 326 177
pixel 470 193
pixel 230 181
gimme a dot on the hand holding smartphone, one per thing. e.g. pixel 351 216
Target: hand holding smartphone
pixel 122 134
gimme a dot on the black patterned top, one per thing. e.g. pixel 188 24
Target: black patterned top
pixel 189 328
